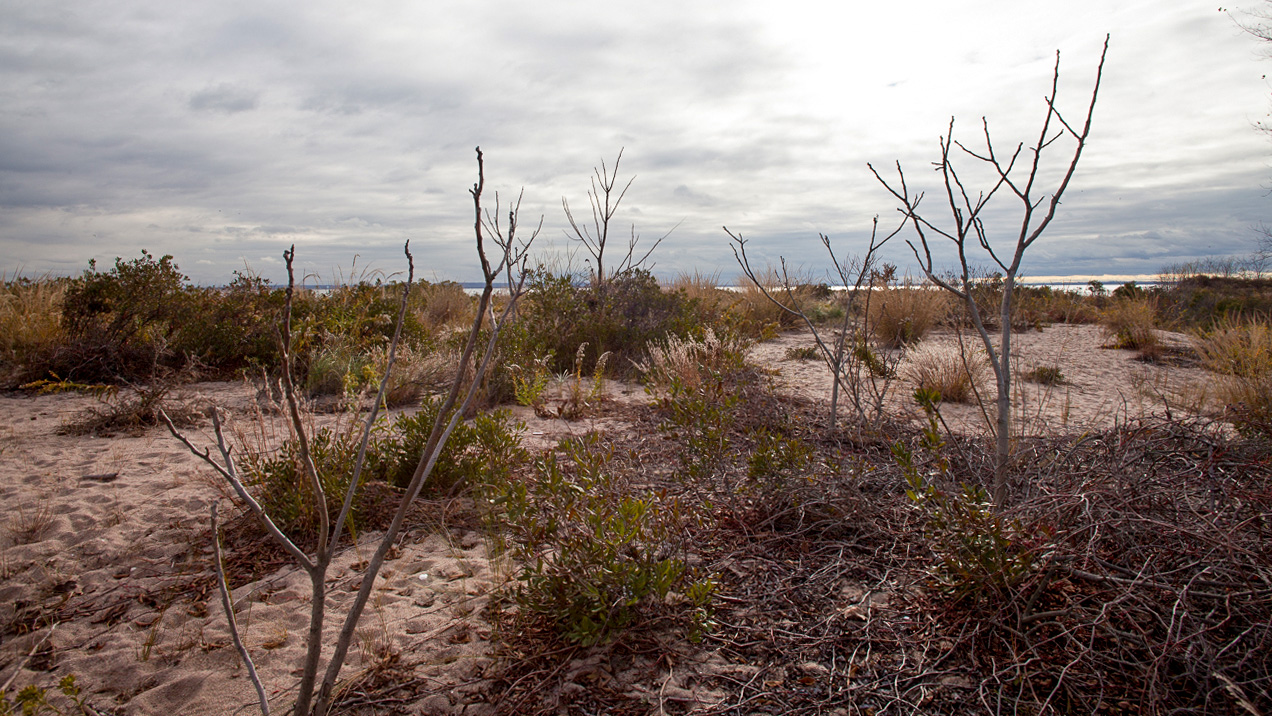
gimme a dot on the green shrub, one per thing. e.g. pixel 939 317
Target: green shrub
pixel 120 323
pixel 594 555
pixel 702 416
pixel 618 317
pixel 235 327
pixel 983 554
pixel 279 483
pixel 479 451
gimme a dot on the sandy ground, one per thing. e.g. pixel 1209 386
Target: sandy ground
pixel 109 537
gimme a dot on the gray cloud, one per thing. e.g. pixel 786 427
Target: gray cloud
pixel 230 130
pixel 224 98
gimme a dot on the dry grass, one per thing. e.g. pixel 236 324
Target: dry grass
pixel 27 525
pixel 445 305
pixel 1241 353
pixel 902 315
pixel 690 361
pixel 954 373
pixel 1129 325
pixel 697 285
pixel 1045 375
pixel 30 322
pixel 416 373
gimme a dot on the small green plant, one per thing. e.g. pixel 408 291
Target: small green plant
pixel 575 397
pixel 702 415
pixel 803 353
pixel 530 382
pixel 777 456
pixel 983 554
pixel 33 700
pixel 868 357
pixel 1046 375
pixel 594 555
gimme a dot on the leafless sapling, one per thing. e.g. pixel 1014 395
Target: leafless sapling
pixel 841 356
pixel 967 230
pixel 604 199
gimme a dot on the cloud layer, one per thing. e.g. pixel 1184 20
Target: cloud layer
pixel 223 132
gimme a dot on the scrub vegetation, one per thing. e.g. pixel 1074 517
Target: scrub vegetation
pixel 832 563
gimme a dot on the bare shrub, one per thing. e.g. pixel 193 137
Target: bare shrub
pixel 948 370
pixel 131 411
pixel 901 315
pixel 966 230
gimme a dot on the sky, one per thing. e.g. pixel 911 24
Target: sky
pixel 222 133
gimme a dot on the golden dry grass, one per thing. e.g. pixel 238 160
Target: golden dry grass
pixel 30 320
pixel 1241 353
pixel 1129 324
pixel 948 370
pixel 902 315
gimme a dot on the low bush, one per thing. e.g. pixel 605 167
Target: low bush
pixel 279 484
pixel 596 557
pixel 119 323
pixel 480 450
pixel 618 317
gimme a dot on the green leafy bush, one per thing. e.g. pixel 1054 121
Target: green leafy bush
pixel 702 416
pixel 594 555
pixel 479 451
pixel 618 317
pixel 983 554
pixel 119 323
pixel 280 486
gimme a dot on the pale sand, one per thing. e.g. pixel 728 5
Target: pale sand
pixel 111 548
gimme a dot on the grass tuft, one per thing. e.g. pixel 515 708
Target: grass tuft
pixel 948 370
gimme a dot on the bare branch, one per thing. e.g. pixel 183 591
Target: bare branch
pixel 223 587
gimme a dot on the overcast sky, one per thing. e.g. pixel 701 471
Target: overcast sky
pixel 223 132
